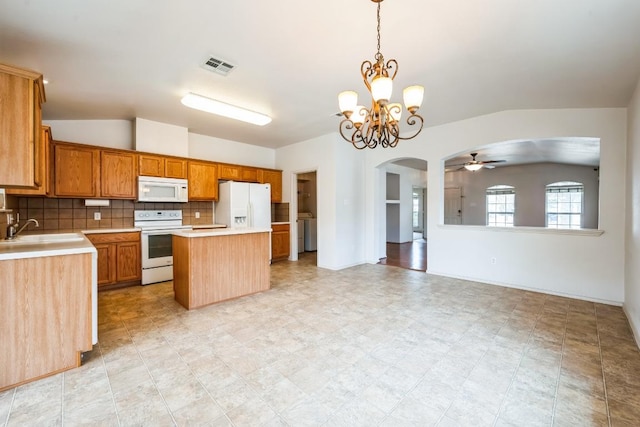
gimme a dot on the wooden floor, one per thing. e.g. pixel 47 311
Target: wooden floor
pixel 411 255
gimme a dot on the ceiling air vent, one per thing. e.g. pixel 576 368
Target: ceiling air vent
pixel 218 65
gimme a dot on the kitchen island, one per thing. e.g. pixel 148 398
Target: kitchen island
pixel 48 305
pixel 213 265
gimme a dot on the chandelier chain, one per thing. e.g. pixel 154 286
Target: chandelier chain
pixel 378 54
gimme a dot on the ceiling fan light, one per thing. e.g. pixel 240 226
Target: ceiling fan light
pixel 413 96
pixel 381 89
pixel 473 167
pixel 213 106
pixel 347 101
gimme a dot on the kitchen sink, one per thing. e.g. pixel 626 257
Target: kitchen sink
pixel 39 239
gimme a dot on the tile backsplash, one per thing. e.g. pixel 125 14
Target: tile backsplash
pixel 72 215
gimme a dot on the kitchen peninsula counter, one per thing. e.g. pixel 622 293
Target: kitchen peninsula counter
pixel 213 265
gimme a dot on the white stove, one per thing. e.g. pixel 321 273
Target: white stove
pixel 156 236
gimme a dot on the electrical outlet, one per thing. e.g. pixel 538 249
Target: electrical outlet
pixel 97 216
pixel 197 215
pixel 493 260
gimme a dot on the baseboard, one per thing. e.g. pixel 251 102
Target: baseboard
pixel 526 288
pixel 635 327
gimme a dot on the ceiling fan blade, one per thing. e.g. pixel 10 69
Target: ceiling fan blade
pixel 491 161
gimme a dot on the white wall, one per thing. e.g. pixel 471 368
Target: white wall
pixel 120 134
pixel 589 267
pixel 632 259
pixel 530 183
pixel 340 197
pixel 104 133
pixel 226 151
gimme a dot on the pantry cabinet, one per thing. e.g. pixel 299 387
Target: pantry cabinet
pixel 21 99
pixel 119 258
pixel 203 181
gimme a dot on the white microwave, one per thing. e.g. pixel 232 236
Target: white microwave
pixel 154 189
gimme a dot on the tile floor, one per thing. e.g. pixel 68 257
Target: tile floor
pixel 370 345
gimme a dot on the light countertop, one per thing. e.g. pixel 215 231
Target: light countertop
pixel 110 230
pixel 77 243
pixel 204 226
pixel 219 232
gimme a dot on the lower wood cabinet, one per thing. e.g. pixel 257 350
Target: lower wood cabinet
pixel 119 258
pixel 280 244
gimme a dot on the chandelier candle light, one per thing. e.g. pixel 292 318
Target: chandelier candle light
pixel 380 124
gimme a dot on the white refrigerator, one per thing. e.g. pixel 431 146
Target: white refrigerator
pixel 243 204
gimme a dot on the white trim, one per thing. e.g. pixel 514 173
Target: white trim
pixel 516 229
pixel 525 288
pixel 635 328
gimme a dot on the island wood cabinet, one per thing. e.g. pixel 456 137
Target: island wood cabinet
pixel 273 177
pixel 44 167
pixel 280 243
pixel 159 166
pixel 203 180
pixel 84 171
pixel 119 258
pixel 45 316
pixel 21 154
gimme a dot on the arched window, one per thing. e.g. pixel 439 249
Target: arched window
pixel 501 205
pixel 564 204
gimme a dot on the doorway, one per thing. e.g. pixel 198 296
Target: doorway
pixel 307 216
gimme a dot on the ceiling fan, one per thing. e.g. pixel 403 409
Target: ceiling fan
pixel 475 165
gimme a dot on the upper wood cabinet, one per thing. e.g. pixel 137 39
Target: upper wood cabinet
pixel 167 167
pixel 237 173
pixel 21 98
pixel 43 169
pixel 76 171
pixel 119 173
pixel 203 180
pixel 88 172
pixel 273 177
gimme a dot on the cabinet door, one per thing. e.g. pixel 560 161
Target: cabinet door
pixel 151 165
pixel 118 175
pixel 203 181
pixel 175 168
pixel 43 170
pixel 275 179
pixel 249 174
pixel 230 172
pixel 106 263
pixel 128 265
pixel 280 244
pixel 20 121
pixel 76 171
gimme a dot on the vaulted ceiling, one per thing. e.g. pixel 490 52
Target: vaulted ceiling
pixel 122 59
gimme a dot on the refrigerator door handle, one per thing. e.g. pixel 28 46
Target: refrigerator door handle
pixel 249 215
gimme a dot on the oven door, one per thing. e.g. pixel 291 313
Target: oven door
pixel 156 248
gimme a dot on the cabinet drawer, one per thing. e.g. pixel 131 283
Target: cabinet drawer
pixel 98 238
pixel 279 227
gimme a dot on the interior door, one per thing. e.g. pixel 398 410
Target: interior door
pixel 453 205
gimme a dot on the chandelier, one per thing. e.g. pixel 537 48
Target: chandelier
pixel 379 125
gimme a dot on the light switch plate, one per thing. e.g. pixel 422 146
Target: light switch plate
pixel 197 215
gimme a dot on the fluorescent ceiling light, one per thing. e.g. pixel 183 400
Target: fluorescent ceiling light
pixel 222 109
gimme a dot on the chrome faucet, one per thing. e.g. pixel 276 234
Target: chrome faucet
pixel 13 230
